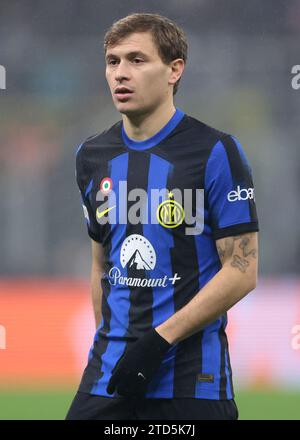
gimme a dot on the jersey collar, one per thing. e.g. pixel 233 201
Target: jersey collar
pixel 158 137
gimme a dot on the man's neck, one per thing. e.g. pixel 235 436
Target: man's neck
pixel 144 126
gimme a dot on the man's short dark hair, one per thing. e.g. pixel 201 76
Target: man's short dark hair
pixel 168 38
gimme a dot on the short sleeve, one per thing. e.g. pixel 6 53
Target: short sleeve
pixel 229 190
pixel 85 189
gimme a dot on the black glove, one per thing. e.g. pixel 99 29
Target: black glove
pixel 138 364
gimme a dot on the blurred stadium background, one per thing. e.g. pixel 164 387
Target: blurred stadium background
pixel 238 79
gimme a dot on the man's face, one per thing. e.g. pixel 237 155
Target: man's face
pixel 134 63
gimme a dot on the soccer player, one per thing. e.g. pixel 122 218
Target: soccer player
pixel 170 210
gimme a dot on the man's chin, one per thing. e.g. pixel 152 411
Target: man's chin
pixel 128 109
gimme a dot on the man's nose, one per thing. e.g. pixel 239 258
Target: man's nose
pixel 122 71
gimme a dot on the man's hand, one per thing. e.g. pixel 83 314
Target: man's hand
pixel 138 364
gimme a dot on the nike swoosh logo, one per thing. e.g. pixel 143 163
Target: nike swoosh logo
pixel 141 374
pixel 100 214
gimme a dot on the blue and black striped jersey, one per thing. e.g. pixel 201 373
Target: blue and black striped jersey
pixel 157 207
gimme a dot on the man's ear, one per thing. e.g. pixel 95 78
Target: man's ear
pixel 177 68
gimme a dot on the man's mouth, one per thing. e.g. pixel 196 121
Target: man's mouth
pixel 123 93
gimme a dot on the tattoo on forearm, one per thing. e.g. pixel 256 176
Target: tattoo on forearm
pixel 240 263
pixel 246 252
pixel 227 250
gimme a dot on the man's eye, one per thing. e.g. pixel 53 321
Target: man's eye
pixel 112 62
pixel 138 60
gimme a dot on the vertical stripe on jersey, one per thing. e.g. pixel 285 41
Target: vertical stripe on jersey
pixel 215 356
pixel 141 299
pixel 163 305
pixel 223 376
pixel 118 299
pixel 211 348
pixel 185 263
pixel 94 372
pixel 240 169
pixel 221 178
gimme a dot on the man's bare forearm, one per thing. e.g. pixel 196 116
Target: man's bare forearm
pixel 236 278
pixel 96 291
pixel 223 291
pixel 96 275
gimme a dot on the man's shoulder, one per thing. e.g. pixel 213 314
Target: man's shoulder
pixel 97 149
pixel 111 135
pixel 203 130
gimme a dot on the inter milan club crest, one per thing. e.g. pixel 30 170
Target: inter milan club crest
pixel 106 185
pixel 170 213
